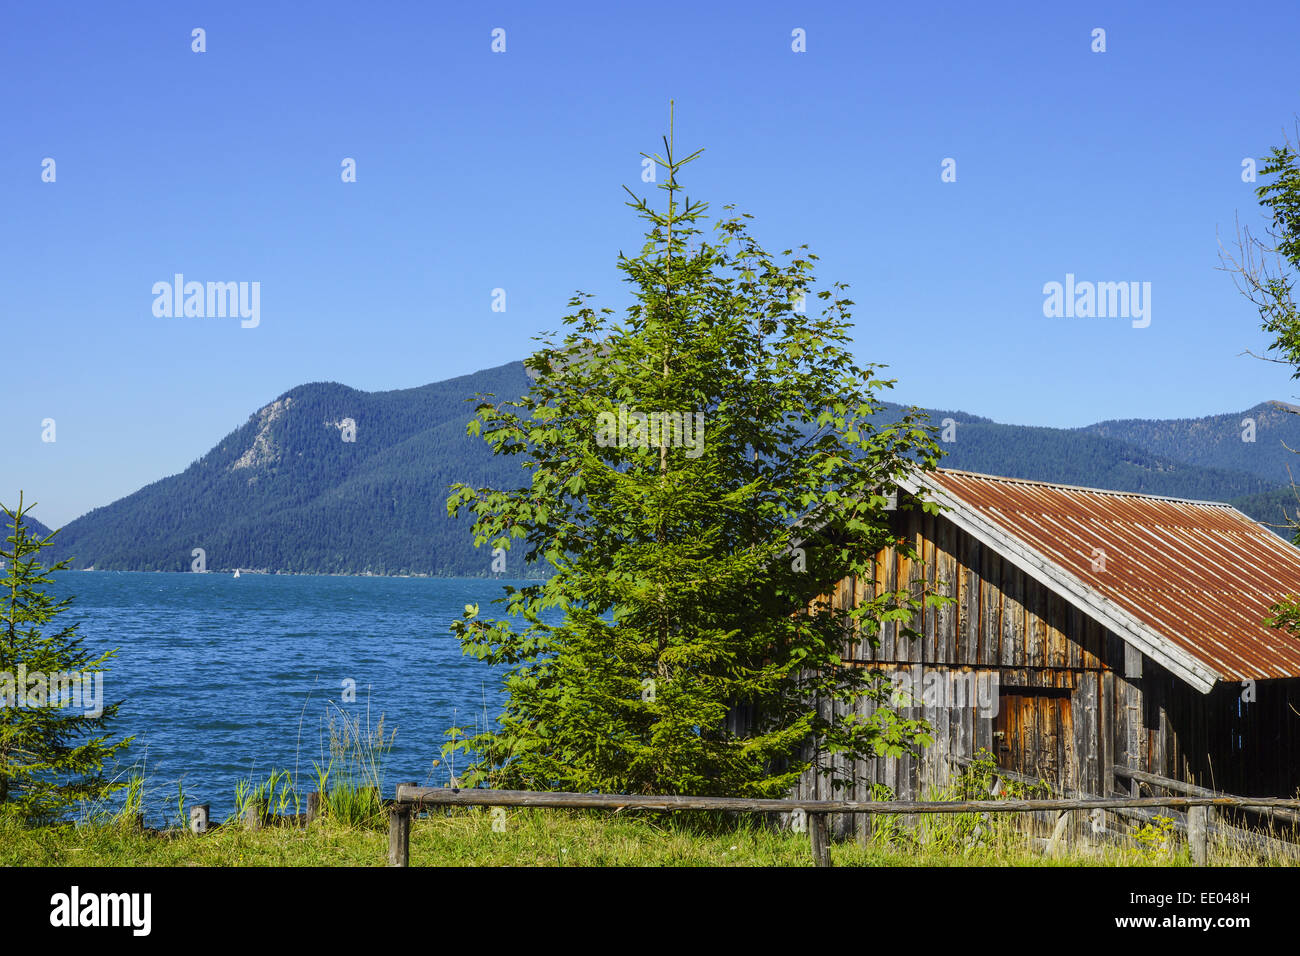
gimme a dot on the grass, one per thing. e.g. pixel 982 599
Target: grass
pixel 351 829
pixel 532 837
pixel 350 773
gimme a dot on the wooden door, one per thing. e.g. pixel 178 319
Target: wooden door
pixel 1033 733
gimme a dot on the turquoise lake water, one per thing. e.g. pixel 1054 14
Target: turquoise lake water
pixel 224 678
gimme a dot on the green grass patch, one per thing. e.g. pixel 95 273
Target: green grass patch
pixel 532 837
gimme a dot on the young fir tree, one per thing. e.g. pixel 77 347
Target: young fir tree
pixel 693 655
pixel 47 767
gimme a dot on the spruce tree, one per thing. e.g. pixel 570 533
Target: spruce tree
pixel 50 701
pixel 700 472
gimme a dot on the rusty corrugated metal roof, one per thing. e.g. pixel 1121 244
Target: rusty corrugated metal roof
pixel 1201 575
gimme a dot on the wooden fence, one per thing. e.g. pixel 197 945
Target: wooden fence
pixel 411 799
pixel 1231 832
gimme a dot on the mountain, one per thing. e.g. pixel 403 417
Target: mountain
pixel 1096 461
pixel 34 527
pixel 1255 440
pixel 287 492
pixel 1259 441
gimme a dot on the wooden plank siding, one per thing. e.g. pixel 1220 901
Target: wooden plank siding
pixel 1078 712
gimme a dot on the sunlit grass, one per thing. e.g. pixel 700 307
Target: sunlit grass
pixel 532 837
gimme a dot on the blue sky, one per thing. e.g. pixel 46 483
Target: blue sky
pixel 479 170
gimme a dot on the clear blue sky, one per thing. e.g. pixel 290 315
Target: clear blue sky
pixel 479 170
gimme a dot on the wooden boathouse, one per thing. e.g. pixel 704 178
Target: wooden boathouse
pixel 1098 633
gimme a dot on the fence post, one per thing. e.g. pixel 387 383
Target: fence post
pixel 313 807
pixel 399 828
pixel 253 815
pixel 819 836
pixel 199 818
pixel 1096 827
pixel 399 834
pixel 1058 832
pixel 1198 834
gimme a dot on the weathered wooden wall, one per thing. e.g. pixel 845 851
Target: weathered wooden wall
pixel 1219 740
pixel 1067 710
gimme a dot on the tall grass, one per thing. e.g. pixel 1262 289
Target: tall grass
pixel 277 793
pixel 133 803
pixel 350 773
pixel 128 788
pixel 960 834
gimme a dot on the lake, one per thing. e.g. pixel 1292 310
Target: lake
pixel 224 678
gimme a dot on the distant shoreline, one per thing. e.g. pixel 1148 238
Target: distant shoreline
pixel 229 572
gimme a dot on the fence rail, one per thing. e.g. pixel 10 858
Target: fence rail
pixel 411 798
pixel 1136 777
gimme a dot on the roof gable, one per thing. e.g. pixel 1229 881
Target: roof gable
pixel 1186 582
